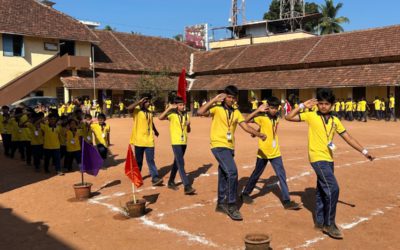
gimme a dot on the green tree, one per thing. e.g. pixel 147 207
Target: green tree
pixel 310 8
pixel 330 23
pixel 178 37
pixel 108 27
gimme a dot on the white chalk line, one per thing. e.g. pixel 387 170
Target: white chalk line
pixel 180 209
pixel 346 226
pixel 162 227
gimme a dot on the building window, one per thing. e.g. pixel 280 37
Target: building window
pixel 13 45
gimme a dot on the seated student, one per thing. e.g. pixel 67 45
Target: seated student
pixel 51 143
pixel 101 132
pixel 267 120
pixel 322 127
pixel 73 137
pixel 179 127
pixel 225 119
pixel 142 136
pixel 37 140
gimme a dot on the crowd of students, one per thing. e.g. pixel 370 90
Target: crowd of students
pixel 42 135
pixel 56 136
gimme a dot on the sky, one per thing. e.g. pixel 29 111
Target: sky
pixel 166 18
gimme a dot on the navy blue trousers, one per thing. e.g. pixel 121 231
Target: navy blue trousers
pixel 179 164
pixel 149 151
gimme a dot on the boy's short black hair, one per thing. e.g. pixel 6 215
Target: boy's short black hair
pixel 5 107
pixel 88 116
pixel 273 101
pixel 231 90
pixel 146 95
pixel 178 99
pixel 101 116
pixel 326 95
pixel 52 115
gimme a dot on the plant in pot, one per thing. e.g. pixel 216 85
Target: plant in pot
pixel 91 164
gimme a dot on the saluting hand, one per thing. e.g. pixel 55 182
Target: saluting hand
pixel 310 103
pixel 219 98
pixel 263 108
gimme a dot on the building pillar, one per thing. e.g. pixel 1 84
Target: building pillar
pixel 66 95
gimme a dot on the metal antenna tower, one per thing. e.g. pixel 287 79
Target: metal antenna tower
pixel 235 12
pixel 288 11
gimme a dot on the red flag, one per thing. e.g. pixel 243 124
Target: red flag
pixel 132 169
pixel 182 84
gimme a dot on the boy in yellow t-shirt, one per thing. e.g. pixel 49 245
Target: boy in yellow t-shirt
pixel 225 119
pixel 101 132
pixel 37 140
pixel 349 110
pixel 121 110
pixel 363 109
pixel 142 136
pixel 377 106
pixel 5 130
pixel 254 104
pixel 196 106
pixel 108 103
pixel 73 137
pixel 87 132
pixel 268 150
pixel 51 143
pixel 179 127
pixel 392 108
pixel 322 127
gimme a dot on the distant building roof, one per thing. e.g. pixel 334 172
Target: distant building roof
pixel 31 18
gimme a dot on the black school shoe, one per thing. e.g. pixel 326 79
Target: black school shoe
pixel 189 190
pixel 291 205
pixel 172 185
pixel 246 198
pixel 234 212
pixel 333 231
pixel 157 181
pixel 221 208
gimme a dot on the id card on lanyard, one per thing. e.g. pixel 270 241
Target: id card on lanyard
pixel 275 124
pixel 182 124
pixel 149 121
pixel 330 145
pixel 229 121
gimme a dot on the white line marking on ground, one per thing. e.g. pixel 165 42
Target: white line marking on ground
pixel 180 209
pixel 162 227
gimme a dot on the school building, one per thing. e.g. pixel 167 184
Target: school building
pixel 46 52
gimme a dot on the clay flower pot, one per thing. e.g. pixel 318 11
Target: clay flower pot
pixel 136 209
pixel 257 242
pixel 82 191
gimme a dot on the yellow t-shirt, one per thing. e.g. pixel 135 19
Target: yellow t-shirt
pixel 320 134
pixel 354 106
pixel 222 124
pixel 358 106
pixel 377 104
pixel 342 106
pixel 254 105
pixel 62 136
pixel 70 108
pixel 349 106
pixel 97 108
pixel 383 106
pixel 142 131
pixel 36 135
pixel 121 106
pixel 108 103
pixel 73 140
pixel 363 106
pixel 100 133
pixel 337 106
pixel 52 136
pixel 5 126
pixel 196 105
pixel 264 102
pixel 178 128
pixel 20 131
pixel 391 102
pixel 269 148
pixel 87 132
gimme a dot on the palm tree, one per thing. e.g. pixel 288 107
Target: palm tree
pixel 329 22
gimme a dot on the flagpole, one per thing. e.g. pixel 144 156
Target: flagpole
pixel 83 148
pixel 133 186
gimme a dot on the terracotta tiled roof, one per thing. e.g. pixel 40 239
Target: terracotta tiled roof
pixel 365 44
pixel 124 51
pixel 385 74
pixel 30 18
pixel 104 80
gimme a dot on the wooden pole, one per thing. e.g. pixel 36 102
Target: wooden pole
pixel 133 193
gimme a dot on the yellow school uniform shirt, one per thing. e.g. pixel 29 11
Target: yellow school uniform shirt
pixel 100 133
pixel 358 106
pixel 319 135
pixel 254 105
pixel 377 104
pixel 178 128
pixel 108 103
pixel 342 106
pixel 222 123
pixel 264 102
pixel 337 106
pixel 73 140
pixel 363 106
pixel 70 108
pixel 86 102
pixel 349 106
pixel 62 136
pixel 196 105
pixel 36 135
pixel 268 149
pixel 97 108
pixel 51 136
pixel 6 127
pixel 142 131
pixel 87 132
pixel 121 106
pixel 383 106
pixel 354 106
pixel 391 102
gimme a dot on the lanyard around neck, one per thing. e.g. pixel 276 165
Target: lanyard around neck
pixel 326 131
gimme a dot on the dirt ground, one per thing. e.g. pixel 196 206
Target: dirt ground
pixel 38 211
